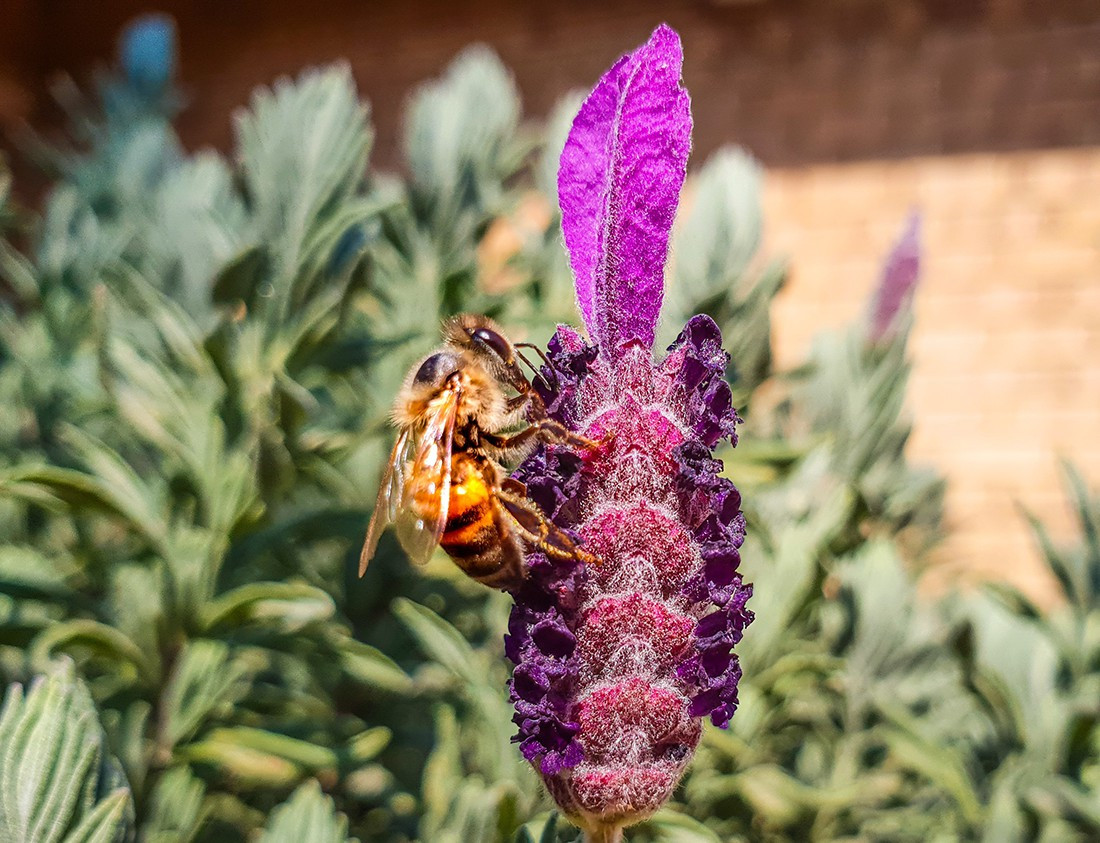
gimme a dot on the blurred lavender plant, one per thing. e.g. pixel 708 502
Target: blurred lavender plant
pixel 616 663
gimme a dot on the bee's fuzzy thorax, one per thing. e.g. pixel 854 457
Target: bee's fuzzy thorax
pixel 481 400
pixel 483 397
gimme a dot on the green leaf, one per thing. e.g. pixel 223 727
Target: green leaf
pixel 550 830
pixel 721 231
pixel 196 226
pixel 102 824
pixel 204 679
pixel 177 808
pixel 774 796
pixel 241 277
pixel 285 607
pixel 557 129
pixel 941 764
pixel 97 638
pixel 83 491
pixel 56 781
pixel 372 667
pixel 1088 513
pixel 306 755
pixel 1064 567
pixel 368 744
pixel 1005 821
pixel 442 770
pixel 30 574
pixel 790 577
pixel 542 829
pixel 1076 801
pixel 1014 600
pixel 439 639
pixel 303 148
pixel 307 816
pixel 458 131
pixel 674 827
pixel 245 766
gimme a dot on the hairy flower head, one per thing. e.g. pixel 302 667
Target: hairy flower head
pixel 616 663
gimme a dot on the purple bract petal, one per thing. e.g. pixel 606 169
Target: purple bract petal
pixel 619 183
pixel 900 274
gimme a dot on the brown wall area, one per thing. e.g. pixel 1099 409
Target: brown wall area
pixel 795 81
pixel 985 115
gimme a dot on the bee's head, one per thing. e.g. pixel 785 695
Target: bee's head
pixel 484 338
pixel 490 341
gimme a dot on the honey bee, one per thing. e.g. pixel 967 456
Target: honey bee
pixel 450 414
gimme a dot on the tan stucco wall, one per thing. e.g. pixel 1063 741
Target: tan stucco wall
pixel 1006 347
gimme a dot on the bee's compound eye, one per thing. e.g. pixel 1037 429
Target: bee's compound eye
pixel 436 368
pixel 494 341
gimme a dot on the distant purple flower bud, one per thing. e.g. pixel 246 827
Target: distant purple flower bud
pixel 617 662
pixel 900 273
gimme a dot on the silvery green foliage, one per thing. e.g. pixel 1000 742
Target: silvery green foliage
pixel 1036 675
pixel 197 355
pixel 58 784
pixel 162 484
pixel 716 269
pixel 460 136
pixel 462 144
pixel 307 815
pixel 854 395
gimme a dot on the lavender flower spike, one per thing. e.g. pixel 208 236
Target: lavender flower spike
pixel 900 273
pixel 617 663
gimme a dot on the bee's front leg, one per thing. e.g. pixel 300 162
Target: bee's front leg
pixel 515 408
pixel 543 430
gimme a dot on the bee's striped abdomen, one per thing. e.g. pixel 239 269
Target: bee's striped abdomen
pixel 476 535
pixel 470 508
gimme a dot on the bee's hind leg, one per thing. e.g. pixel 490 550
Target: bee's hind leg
pixel 535 528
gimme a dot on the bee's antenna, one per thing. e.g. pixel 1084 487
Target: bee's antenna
pixel 534 396
pixel 534 371
pixel 545 359
pixel 537 351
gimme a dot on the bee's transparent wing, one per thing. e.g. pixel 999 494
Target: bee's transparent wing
pixel 423 512
pixel 390 492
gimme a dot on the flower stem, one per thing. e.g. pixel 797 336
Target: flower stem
pixel 604 834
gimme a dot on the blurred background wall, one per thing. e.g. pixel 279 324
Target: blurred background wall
pixel 984 115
